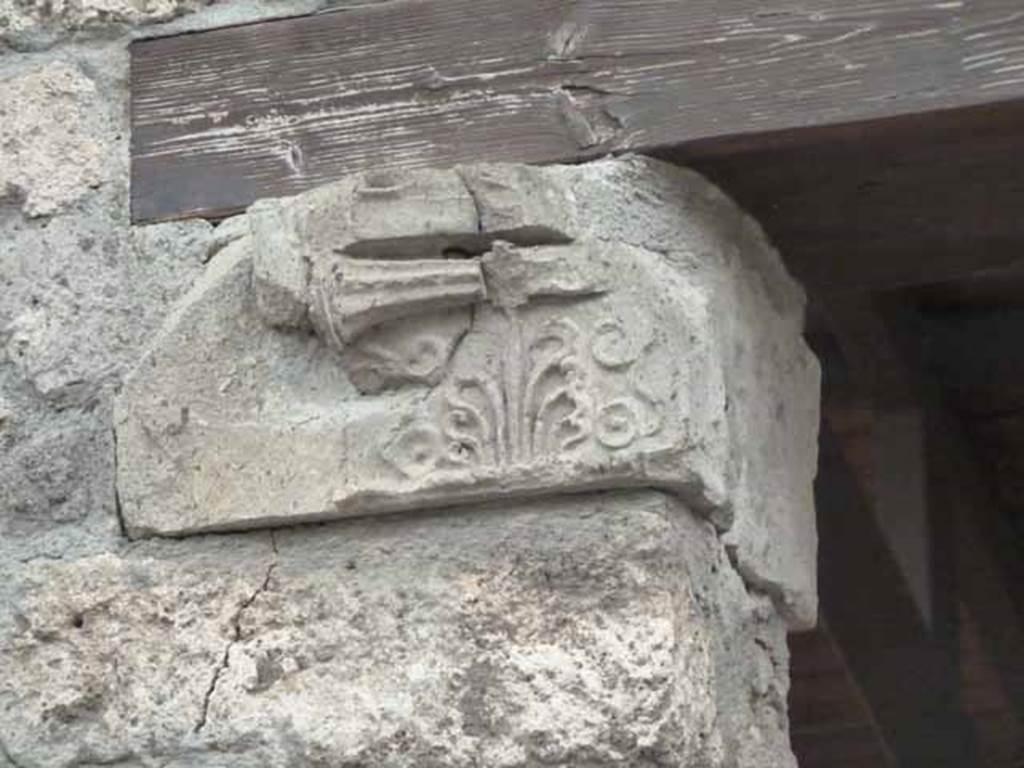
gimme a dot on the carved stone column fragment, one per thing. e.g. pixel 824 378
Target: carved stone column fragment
pixel 481 333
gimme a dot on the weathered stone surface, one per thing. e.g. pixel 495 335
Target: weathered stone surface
pixel 389 210
pixel 81 321
pixel 38 25
pixel 685 372
pixel 31 23
pixel 520 204
pixel 51 156
pixel 415 350
pixel 554 398
pixel 771 379
pixel 596 630
pixel 81 293
pixel 280 266
pixel 108 659
pixel 411 214
pixel 605 629
pixel 514 276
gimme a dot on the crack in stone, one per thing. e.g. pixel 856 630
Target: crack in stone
pixel 236 624
pixel 41 556
pixel 118 509
pixel 472 307
pixel 458 343
pixel 472 196
pixel 754 586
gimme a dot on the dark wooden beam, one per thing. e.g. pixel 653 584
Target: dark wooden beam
pixel 831 723
pixel 903 671
pixel 977 363
pixel 886 392
pixel 985 568
pixel 887 204
pixel 223 117
pixel 976 562
pixel 977 356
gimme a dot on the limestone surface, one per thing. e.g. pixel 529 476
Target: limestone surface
pixel 82 293
pixel 27 22
pixel 42 25
pixel 50 155
pixel 598 630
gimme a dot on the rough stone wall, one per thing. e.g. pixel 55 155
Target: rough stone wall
pixel 604 630
pixel 609 630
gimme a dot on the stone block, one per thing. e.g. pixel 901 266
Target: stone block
pixel 359 294
pixel 387 207
pixel 515 276
pixel 592 630
pixel 549 398
pixel 519 203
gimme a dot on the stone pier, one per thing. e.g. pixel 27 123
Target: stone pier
pixel 488 466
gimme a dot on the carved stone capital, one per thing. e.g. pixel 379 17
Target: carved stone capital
pixel 402 340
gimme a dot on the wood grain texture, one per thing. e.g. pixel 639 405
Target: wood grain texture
pixel 223 117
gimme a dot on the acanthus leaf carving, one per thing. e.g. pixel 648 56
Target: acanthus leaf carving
pixel 537 403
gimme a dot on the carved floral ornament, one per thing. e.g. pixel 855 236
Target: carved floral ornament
pixel 540 379
pixel 395 342
pixel 529 397
pixel 467 363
